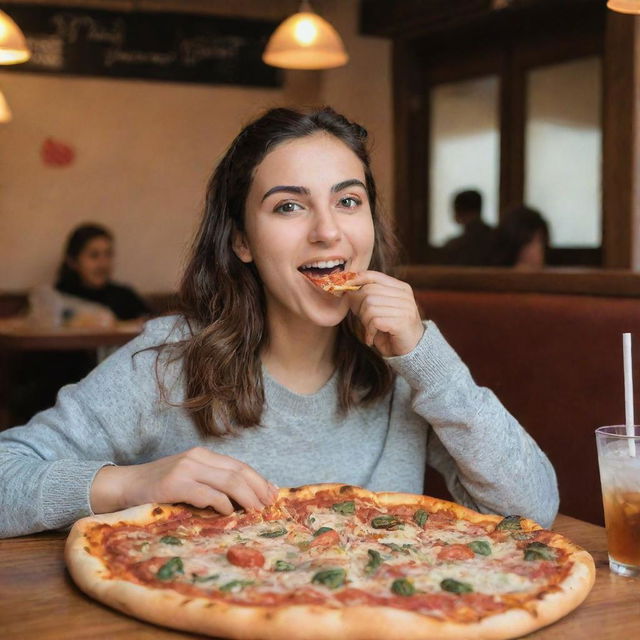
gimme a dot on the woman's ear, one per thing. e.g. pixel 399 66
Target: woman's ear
pixel 240 246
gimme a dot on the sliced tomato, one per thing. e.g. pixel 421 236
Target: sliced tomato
pixel 243 556
pixel 456 552
pixel 326 539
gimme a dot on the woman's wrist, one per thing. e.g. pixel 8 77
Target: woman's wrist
pixel 106 493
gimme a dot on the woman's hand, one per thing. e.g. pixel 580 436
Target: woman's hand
pixel 197 476
pixel 388 312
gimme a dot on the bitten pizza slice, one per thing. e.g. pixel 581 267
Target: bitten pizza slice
pixel 336 282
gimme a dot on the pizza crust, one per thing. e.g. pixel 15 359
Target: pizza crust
pixel 315 622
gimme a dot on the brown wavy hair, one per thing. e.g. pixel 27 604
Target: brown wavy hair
pixel 223 300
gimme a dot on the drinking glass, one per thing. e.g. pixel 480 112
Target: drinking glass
pixel 619 462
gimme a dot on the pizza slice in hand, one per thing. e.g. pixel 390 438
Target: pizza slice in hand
pixel 335 283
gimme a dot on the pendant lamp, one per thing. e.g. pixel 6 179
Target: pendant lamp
pixel 13 46
pixel 305 41
pixel 624 6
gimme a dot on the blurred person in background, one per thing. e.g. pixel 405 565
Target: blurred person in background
pixel 86 272
pixel 84 296
pixel 474 246
pixel 522 239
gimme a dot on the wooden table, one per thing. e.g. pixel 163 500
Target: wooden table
pixel 39 601
pixel 17 336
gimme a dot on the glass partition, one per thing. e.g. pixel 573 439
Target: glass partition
pixel 563 150
pixel 464 150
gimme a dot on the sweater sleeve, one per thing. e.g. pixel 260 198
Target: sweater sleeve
pixel 47 467
pixel 489 462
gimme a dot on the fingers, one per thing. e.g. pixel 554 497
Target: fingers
pixel 385 319
pixel 235 484
pixel 202 478
pixel 385 305
pixel 235 476
pixel 203 496
pixel 373 277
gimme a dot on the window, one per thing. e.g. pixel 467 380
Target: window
pixel 563 143
pixel 464 150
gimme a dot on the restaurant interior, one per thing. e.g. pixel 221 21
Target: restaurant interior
pixel 505 144
pixel 531 103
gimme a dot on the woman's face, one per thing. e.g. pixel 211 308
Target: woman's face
pixel 307 209
pixel 94 263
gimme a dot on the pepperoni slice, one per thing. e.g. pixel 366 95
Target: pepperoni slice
pixel 326 539
pixel 456 552
pixel 243 556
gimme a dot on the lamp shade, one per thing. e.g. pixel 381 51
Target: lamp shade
pixel 13 46
pixel 5 112
pixel 624 6
pixel 305 41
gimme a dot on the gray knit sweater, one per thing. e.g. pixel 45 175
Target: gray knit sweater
pixel 435 414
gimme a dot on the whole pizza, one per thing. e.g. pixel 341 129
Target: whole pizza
pixel 331 561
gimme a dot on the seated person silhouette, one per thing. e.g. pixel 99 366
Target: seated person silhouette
pixel 86 271
pixel 474 246
pixel 85 274
pixel 522 239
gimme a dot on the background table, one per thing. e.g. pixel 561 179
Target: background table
pixel 39 601
pixel 16 337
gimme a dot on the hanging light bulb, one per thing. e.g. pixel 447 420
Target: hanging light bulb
pixel 305 41
pixel 5 112
pixel 624 6
pixel 13 46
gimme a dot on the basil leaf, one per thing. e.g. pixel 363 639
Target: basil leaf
pixel 347 508
pixel 510 523
pixel 281 565
pixel 480 547
pixel 539 551
pixel 402 587
pixel 453 586
pixel 375 560
pixel 170 540
pixel 332 578
pixel 273 533
pixel 169 569
pixel 522 535
pixel 235 586
pixel 420 517
pixel 322 530
pixel 386 522
pixel 196 578
pixel 405 548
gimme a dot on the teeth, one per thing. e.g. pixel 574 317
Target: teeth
pixel 322 264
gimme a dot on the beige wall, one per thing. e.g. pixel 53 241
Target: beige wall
pixel 144 151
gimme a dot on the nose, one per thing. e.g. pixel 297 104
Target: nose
pixel 325 228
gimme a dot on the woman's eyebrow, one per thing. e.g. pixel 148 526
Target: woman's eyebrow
pixel 287 189
pixel 347 183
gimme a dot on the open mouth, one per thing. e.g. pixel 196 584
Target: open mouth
pixel 322 268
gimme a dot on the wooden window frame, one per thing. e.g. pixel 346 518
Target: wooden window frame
pixel 506 48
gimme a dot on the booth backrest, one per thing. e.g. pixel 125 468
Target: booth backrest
pixel 555 361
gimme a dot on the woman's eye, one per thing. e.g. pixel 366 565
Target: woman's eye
pixel 350 202
pixel 287 207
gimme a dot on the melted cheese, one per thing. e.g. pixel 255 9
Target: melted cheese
pixel 409 551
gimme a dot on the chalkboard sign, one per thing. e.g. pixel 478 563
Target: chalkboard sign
pixel 156 46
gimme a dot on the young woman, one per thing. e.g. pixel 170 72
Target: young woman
pixel 266 379
pixel 86 272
